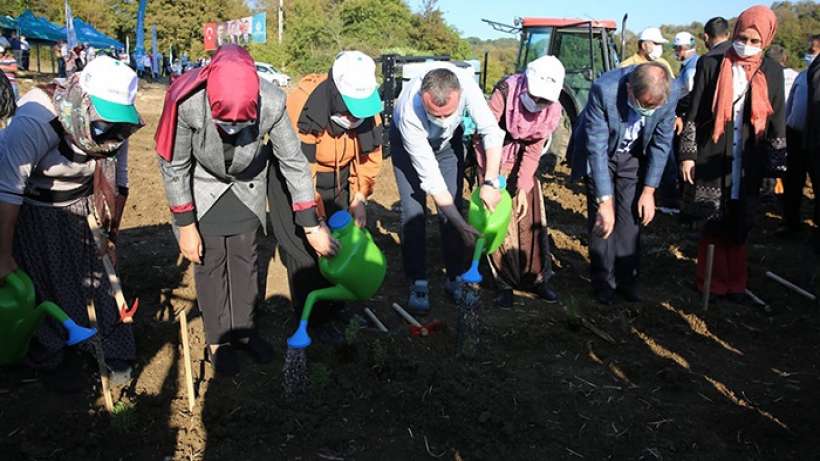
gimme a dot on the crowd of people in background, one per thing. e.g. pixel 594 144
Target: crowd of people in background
pixel 232 146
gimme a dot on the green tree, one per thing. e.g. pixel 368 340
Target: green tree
pixel 432 34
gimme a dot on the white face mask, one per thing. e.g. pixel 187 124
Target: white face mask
pixel 745 51
pixel 442 122
pixel 656 52
pixel 530 105
pixel 809 58
pixel 348 123
pixel 231 128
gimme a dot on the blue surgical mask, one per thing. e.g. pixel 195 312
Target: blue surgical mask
pixel 442 122
pixel 809 58
pixel 636 106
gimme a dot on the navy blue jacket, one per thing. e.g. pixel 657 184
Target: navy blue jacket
pixel 601 126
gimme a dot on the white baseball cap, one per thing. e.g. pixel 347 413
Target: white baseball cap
pixel 112 87
pixel 683 39
pixel 545 78
pixel 652 34
pixel 354 74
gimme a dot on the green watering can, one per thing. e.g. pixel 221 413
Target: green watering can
pixel 356 271
pixel 492 227
pixel 19 318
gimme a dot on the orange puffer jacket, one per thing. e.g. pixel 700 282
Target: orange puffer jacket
pixel 335 153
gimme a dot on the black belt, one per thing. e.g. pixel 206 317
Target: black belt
pixel 60 196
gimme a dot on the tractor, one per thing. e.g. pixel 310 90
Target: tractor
pixel 587 50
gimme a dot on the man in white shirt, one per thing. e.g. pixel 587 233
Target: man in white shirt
pixel 801 161
pixel 428 158
pixel 779 54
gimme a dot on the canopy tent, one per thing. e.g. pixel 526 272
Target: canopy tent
pixel 7 22
pixel 86 33
pixel 38 28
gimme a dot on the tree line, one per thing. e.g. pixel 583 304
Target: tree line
pixel 315 30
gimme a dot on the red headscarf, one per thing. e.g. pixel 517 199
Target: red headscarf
pixel 763 20
pixel 233 93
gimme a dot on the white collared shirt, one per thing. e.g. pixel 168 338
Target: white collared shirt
pixel 739 84
pixel 419 135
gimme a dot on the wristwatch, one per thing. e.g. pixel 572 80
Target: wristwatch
pixel 603 199
pixel 492 183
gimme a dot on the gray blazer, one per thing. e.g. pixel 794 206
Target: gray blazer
pixel 195 178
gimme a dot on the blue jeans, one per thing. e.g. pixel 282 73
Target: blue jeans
pixel 414 209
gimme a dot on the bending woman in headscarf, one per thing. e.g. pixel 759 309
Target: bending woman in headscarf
pixel 336 117
pixel 734 137
pixel 61 157
pixel 214 161
pixel 527 109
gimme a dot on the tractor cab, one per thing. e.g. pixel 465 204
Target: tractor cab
pixel 586 48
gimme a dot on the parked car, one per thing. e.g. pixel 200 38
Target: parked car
pixel 269 73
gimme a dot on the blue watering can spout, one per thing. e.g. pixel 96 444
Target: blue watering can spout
pixel 76 333
pixel 472 275
pixel 300 338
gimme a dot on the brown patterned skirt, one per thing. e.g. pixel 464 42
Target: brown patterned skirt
pixel 523 260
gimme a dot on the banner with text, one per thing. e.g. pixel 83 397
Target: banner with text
pixel 242 31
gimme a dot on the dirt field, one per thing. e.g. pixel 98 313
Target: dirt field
pixel 677 383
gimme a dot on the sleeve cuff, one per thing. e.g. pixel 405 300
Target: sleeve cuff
pixel 122 191
pixel 306 217
pixel 185 218
pixel 11 198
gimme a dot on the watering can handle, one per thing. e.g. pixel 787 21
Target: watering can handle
pixel 19 282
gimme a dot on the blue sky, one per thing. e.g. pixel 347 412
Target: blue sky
pixel 466 15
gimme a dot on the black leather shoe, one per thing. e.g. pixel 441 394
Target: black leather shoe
pixel 504 299
pixel 224 360
pixel 630 294
pixel 546 293
pixel 260 350
pixel 605 296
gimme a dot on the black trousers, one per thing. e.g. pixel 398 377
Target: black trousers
pixel 799 163
pixel 615 260
pixel 226 285
pixel 298 256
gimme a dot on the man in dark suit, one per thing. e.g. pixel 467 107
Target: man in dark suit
pixel 621 146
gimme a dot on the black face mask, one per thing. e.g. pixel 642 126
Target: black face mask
pixel 102 131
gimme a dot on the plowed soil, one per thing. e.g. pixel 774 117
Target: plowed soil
pixel 657 380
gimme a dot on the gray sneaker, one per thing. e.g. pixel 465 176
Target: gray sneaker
pixel 419 302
